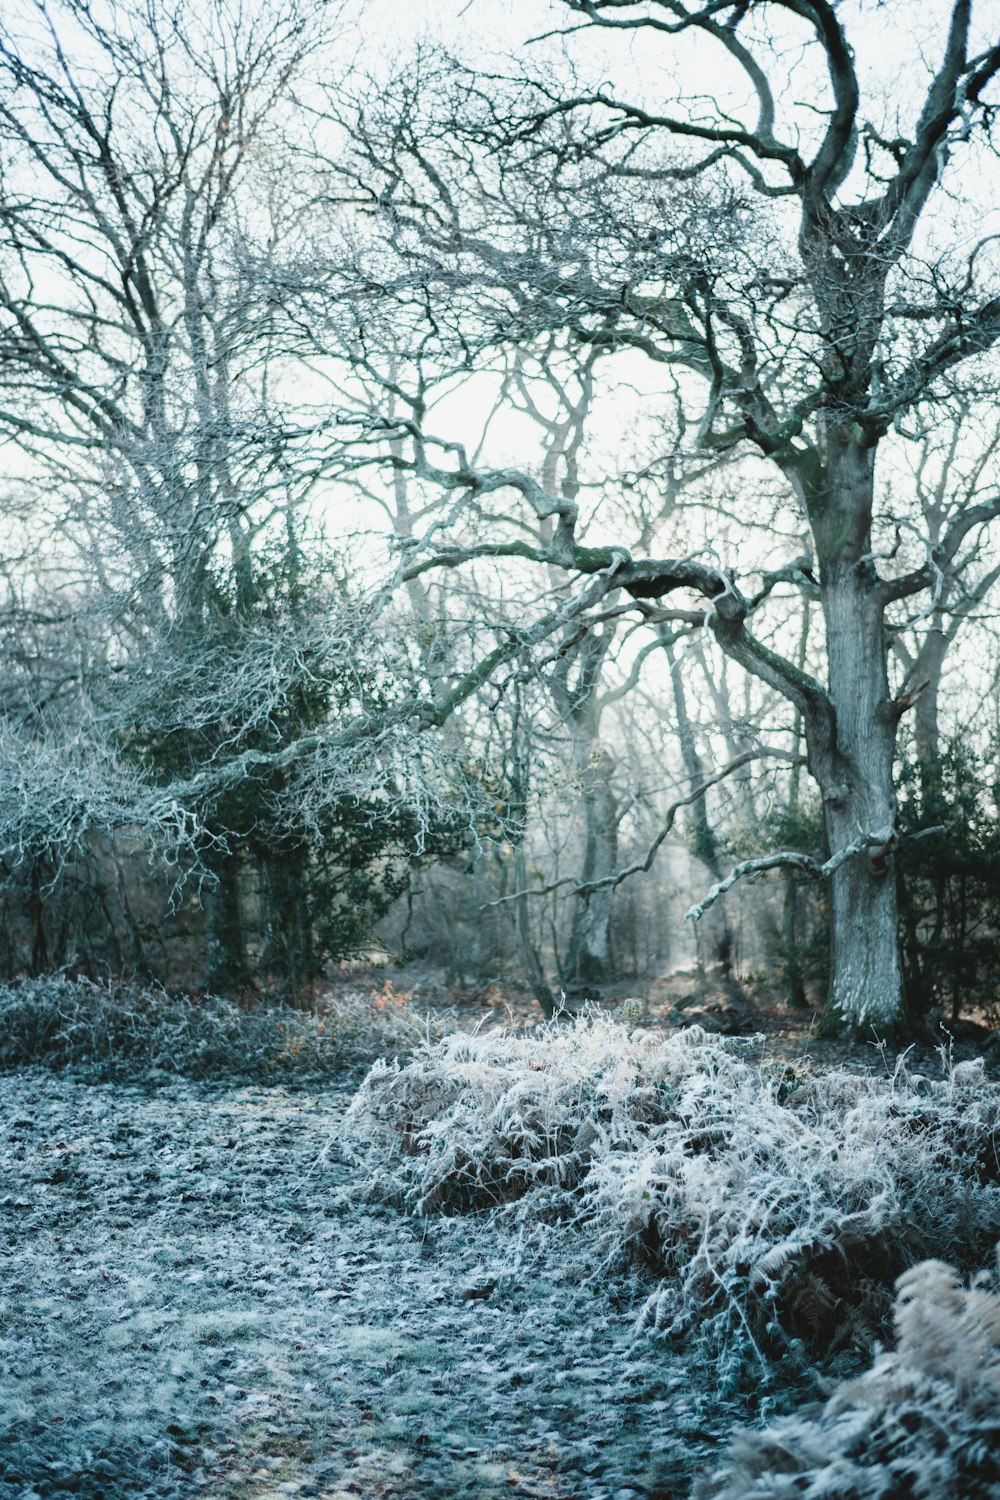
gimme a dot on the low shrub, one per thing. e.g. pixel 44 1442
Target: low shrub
pixel 923 1421
pixel 774 1218
pixel 117 1031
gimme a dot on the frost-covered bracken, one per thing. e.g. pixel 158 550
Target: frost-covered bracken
pixel 124 1031
pixel 924 1420
pixel 774 1206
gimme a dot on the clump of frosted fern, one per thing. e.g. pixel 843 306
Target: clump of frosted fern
pixel 124 1030
pixel 924 1421
pixel 767 1220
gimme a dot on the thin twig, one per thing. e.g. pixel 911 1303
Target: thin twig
pixel 588 887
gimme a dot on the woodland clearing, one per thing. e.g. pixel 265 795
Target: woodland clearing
pixel 195 1304
pixel 221 1288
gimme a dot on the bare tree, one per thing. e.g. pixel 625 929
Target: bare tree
pixel 953 466
pixel 796 268
pixel 771 303
pixel 195 640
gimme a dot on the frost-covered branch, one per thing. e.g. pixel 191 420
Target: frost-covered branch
pixel 790 859
pixel 643 866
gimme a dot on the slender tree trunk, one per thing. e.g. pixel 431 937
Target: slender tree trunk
pixel 919 948
pixel 530 959
pixel 791 916
pixel 927 741
pixel 958 948
pixel 132 927
pixel 588 963
pixel 915 979
pixel 36 912
pixel 703 842
pixel 287 949
pixel 227 965
pixel 853 756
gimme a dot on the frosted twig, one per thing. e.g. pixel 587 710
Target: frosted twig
pixel 641 867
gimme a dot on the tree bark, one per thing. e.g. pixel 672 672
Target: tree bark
pixel 287 949
pixel 36 913
pixel 791 915
pixel 588 962
pixel 227 966
pixel 704 843
pixel 852 751
pixel 531 961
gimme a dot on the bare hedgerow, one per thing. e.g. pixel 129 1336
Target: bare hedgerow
pixel 924 1421
pixel 773 1218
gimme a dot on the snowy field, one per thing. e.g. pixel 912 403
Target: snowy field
pixel 195 1303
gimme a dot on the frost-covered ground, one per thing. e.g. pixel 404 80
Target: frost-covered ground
pixel 193 1303
pixel 224 1289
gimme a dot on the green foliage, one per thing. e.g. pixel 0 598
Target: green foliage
pixel 950 879
pixel 786 827
pixel 303 856
pixel 331 882
pixel 803 949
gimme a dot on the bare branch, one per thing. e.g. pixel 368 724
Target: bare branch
pixel 643 866
pixel 792 860
pixel 941 556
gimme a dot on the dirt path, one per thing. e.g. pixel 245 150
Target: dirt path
pixel 194 1304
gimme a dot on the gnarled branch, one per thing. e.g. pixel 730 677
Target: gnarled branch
pixel 791 859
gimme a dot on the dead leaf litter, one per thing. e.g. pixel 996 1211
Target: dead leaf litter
pixel 196 1302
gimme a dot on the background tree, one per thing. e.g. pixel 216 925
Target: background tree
pixel 494 453
pixel 205 654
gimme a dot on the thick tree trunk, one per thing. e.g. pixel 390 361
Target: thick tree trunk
pixel 853 755
pixel 865 973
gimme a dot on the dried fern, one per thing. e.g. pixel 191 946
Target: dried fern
pixel 767 1218
pixel 923 1422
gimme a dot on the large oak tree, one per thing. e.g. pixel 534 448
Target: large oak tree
pixel 793 250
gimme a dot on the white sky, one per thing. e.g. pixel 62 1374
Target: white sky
pixel 896 44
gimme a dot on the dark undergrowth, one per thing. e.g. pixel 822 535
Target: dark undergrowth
pixel 120 1031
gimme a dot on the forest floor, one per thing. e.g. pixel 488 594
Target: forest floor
pixel 197 1300
pixel 194 1303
